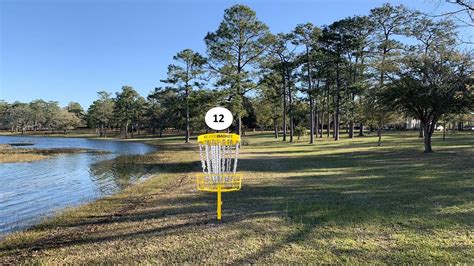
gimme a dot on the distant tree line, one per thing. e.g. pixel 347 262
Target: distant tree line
pixel 362 71
pixel 40 115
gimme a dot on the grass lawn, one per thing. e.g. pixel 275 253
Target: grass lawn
pixel 346 201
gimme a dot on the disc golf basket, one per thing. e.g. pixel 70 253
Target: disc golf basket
pixel 219 153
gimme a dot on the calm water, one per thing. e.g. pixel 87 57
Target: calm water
pixel 34 190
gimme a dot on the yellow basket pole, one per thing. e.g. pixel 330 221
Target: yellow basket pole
pixel 219 202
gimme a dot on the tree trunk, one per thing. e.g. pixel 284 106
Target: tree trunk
pixel 284 108
pixel 361 130
pixel 444 130
pixel 311 101
pixel 327 110
pixel 275 123
pixel 336 123
pixel 323 112
pixel 351 129
pixel 316 121
pixel 290 106
pixel 429 128
pixel 338 88
pixel 427 140
pixel 126 130
pixel 379 134
pixel 311 117
pixel 186 138
pixel 292 128
pixel 322 124
pixel 328 129
pixel 421 130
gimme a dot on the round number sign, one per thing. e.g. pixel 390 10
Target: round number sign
pixel 219 118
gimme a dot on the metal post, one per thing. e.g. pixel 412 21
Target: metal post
pixel 219 202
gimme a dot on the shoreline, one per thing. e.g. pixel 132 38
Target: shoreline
pixel 19 154
pixel 33 154
pixel 11 154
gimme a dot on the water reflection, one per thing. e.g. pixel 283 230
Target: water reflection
pixel 31 191
pixel 118 173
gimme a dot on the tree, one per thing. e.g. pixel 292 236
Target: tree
pixel 388 21
pixel 200 102
pixel 125 105
pixel 52 115
pixel 77 110
pixel 38 107
pixel 357 31
pixel 101 113
pixel 168 105
pixel 464 12
pixel 432 86
pixel 335 44
pixel 269 112
pixel 378 112
pixel 187 74
pixel 236 46
pixel 66 120
pixel 283 57
pixel 20 116
pixel 250 120
pixel 307 35
pixel 4 118
pixel 139 112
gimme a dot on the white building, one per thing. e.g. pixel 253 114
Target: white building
pixel 412 123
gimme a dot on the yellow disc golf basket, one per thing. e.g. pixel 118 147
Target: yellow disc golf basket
pixel 219 153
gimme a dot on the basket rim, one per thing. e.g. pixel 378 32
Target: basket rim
pixel 219 137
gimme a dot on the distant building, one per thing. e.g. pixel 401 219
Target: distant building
pixel 412 123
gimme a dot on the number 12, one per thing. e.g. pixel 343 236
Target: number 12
pixel 221 120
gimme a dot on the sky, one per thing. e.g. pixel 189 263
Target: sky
pixel 68 50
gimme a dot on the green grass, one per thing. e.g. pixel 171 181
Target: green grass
pixel 346 201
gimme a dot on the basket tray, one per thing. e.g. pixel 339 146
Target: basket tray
pixel 225 181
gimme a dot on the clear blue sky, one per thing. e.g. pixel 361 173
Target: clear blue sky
pixel 67 50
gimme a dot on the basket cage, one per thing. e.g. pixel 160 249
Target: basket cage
pixel 219 156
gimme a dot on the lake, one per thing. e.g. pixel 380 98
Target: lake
pixel 31 191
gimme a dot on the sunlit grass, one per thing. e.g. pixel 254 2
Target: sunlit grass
pixel 345 201
pixel 8 154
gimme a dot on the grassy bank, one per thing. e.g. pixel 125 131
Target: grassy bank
pixel 9 154
pixel 346 201
pixel 76 133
